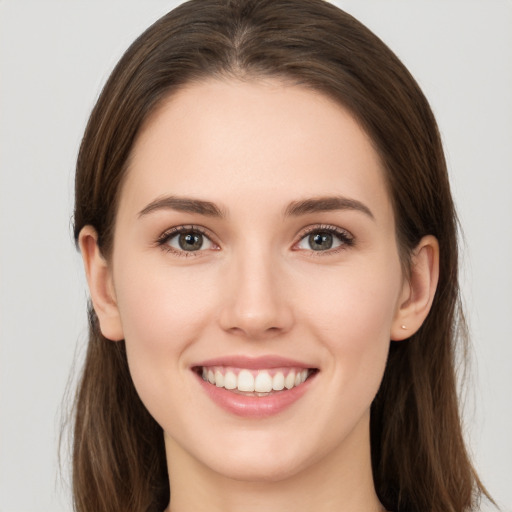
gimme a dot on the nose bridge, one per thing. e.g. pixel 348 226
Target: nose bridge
pixel 255 304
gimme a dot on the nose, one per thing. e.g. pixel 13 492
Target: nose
pixel 255 304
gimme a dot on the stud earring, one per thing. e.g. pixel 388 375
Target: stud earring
pixel 403 326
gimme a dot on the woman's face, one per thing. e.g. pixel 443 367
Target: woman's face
pixel 255 247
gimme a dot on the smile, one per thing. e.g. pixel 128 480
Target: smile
pixel 254 388
pixel 256 382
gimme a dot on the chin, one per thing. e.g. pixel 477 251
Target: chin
pixel 259 468
pixel 262 458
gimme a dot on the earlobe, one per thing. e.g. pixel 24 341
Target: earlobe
pixel 99 278
pixel 418 291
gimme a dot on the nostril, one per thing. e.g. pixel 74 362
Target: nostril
pixel 257 309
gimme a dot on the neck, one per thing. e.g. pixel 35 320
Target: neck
pixel 340 481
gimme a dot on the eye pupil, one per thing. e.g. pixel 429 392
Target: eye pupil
pixel 190 241
pixel 320 241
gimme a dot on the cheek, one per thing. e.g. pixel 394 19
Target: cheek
pixel 356 303
pixel 162 313
pixel 353 320
pixel 159 304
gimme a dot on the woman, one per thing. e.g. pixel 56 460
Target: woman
pixel 267 229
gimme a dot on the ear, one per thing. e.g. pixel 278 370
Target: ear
pixel 101 287
pixel 418 291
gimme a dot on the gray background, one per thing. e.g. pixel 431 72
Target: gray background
pixel 54 58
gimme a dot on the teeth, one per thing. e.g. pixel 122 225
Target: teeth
pixel 230 380
pixel 289 381
pixel 263 382
pixel 245 381
pixel 260 382
pixel 219 379
pixel 278 382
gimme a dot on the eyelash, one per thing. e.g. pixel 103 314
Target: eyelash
pixel 164 238
pixel 347 240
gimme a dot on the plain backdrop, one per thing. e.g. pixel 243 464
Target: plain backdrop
pixel 54 58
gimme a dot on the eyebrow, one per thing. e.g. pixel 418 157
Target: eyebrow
pixel 294 209
pixel 326 204
pixel 183 204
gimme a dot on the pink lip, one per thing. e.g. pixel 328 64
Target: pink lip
pixel 254 363
pixel 253 406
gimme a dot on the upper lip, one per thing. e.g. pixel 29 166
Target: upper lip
pixel 254 363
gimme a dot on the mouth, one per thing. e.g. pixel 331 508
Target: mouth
pixel 255 382
pixel 254 388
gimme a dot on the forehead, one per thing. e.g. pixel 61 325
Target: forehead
pixel 260 140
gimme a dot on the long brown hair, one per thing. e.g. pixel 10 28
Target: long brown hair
pixel 418 454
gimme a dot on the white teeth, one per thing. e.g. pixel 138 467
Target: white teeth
pixel 278 382
pixel 230 381
pixel 260 382
pixel 245 381
pixel 263 382
pixel 219 379
pixel 289 382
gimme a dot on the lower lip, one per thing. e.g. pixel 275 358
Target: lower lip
pixel 254 406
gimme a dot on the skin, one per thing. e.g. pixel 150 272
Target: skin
pixel 257 288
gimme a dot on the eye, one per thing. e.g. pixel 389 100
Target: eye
pixel 186 239
pixel 325 238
